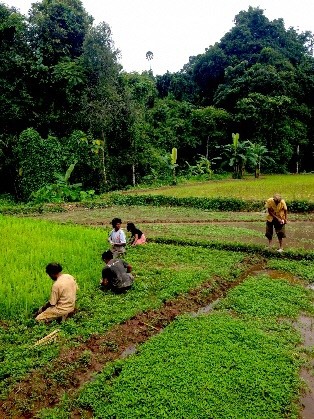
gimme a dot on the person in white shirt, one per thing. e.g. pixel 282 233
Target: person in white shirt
pixel 117 238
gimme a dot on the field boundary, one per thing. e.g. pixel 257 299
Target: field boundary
pixel 238 247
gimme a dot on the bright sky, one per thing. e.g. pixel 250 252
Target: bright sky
pixel 174 30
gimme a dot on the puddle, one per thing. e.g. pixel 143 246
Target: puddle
pixel 307 400
pixel 130 350
pixel 305 325
pixel 205 309
pixel 275 274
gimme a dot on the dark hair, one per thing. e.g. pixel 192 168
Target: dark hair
pixel 116 221
pixel 130 227
pixel 107 255
pixel 53 268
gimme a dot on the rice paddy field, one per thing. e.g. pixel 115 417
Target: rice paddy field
pixel 292 187
pixel 215 326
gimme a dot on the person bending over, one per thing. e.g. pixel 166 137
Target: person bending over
pixel 137 236
pixel 116 276
pixel 63 295
pixel 276 219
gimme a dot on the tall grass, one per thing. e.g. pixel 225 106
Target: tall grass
pixel 27 246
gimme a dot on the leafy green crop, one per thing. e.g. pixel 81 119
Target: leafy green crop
pixel 213 366
pixel 265 297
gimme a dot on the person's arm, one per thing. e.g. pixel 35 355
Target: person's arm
pixel 272 213
pixel 105 277
pixel 122 239
pixel 127 266
pixel 135 239
pixel 43 308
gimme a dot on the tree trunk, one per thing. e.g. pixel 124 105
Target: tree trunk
pixel 103 162
pixel 133 175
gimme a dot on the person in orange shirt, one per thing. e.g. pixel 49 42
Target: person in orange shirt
pixel 276 219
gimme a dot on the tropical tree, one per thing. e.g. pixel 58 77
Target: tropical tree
pixel 237 155
pixel 149 57
pixel 258 153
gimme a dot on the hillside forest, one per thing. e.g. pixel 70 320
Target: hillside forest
pixel 70 114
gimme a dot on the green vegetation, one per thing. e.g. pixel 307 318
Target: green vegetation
pixel 65 101
pixel 303 269
pixel 217 365
pixel 292 188
pixel 264 297
pixel 29 245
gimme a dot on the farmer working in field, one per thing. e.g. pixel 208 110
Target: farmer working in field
pixel 117 238
pixel 116 276
pixel 62 298
pixel 276 219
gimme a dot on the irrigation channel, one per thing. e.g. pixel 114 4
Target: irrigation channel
pixel 122 340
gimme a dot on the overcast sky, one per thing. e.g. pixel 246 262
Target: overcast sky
pixel 174 30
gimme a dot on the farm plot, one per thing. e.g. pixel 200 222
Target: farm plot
pixel 162 273
pixel 240 361
pixel 292 187
pixel 185 223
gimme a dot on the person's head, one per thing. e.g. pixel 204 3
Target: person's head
pixel 130 227
pixel 277 198
pixel 107 256
pixel 53 269
pixel 116 223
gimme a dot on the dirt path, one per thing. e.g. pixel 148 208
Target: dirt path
pixel 77 365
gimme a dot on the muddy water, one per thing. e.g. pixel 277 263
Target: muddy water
pixel 305 325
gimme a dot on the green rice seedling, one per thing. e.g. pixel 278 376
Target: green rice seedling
pixel 292 187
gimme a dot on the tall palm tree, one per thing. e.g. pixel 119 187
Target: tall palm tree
pixel 149 57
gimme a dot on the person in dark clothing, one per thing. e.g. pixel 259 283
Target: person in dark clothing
pixel 137 236
pixel 116 276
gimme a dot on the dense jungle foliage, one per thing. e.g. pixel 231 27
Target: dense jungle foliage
pixel 73 120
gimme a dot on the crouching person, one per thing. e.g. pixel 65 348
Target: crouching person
pixel 116 276
pixel 62 298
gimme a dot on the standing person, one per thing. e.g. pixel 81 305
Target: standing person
pixel 276 219
pixel 137 236
pixel 117 238
pixel 116 276
pixel 63 295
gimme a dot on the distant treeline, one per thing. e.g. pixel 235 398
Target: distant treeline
pixel 65 102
